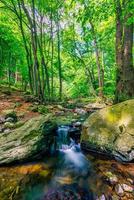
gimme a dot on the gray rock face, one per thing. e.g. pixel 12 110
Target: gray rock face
pixel 26 142
pixel 111 131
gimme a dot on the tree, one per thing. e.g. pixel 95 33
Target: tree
pixel 124 46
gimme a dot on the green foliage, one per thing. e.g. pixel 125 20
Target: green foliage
pixel 77 45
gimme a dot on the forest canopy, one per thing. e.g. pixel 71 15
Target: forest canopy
pixel 68 49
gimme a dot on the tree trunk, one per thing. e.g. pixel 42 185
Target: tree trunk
pixel 59 57
pixel 124 59
pixel 52 56
pixel 97 53
pixel 128 70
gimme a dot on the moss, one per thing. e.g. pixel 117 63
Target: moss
pixel 111 129
pixel 9 125
pixel 19 124
pixel 32 134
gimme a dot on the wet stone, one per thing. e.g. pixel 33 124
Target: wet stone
pixel 102 197
pixel 9 119
pixel 127 188
pixel 112 178
pixel 80 111
pixel 119 190
pixel 77 124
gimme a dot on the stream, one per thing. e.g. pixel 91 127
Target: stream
pixel 68 174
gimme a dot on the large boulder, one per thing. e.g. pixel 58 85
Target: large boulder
pixel 28 141
pixel 111 131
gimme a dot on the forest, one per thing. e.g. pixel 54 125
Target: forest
pixel 66 100
pixel 68 49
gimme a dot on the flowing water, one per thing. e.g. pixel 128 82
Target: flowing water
pixel 69 174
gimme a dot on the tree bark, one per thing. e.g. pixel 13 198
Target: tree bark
pixel 59 56
pixel 97 53
pixel 124 58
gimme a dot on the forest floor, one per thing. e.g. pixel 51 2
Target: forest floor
pixel 26 106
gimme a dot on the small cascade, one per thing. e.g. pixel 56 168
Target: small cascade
pixel 62 139
pixel 70 148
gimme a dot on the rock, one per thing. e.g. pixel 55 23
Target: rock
pixel 80 111
pixel 1 129
pixel 8 125
pixel 2 120
pixel 112 178
pixel 102 197
pixel 11 115
pixel 127 188
pixel 130 181
pixel 27 142
pixel 77 124
pixel 111 131
pixel 6 131
pixel 9 119
pixel 119 190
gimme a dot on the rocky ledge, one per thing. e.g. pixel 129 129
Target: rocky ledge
pixel 29 141
pixel 111 131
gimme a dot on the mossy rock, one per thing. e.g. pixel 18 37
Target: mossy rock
pixel 19 124
pixel 26 142
pixel 9 125
pixel 111 130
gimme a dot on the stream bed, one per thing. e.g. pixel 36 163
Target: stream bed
pixel 68 174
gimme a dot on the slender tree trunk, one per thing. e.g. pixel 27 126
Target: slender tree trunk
pixel 97 53
pixel 59 57
pixel 30 73
pixel 9 70
pixel 103 69
pixel 52 56
pixel 119 50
